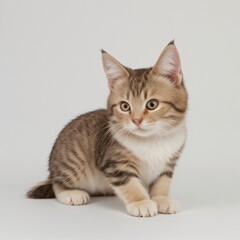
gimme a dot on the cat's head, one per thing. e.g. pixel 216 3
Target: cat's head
pixel 146 102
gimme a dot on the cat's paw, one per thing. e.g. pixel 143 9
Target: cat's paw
pixel 145 208
pixel 73 197
pixel 167 206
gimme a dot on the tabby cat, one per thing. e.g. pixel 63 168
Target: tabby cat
pixel 129 149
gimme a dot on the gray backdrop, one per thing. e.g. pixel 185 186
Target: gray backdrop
pixel 51 71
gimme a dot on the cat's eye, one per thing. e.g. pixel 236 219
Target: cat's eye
pixel 124 106
pixel 152 104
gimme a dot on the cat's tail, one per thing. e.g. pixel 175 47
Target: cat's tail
pixel 42 190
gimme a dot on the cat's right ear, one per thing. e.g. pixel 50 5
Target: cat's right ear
pixel 114 70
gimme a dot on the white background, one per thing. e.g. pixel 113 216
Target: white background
pixel 51 71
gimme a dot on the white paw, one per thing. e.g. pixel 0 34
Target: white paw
pixel 145 208
pixel 73 197
pixel 166 205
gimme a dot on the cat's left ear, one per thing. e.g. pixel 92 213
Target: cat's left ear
pixel 169 64
pixel 114 70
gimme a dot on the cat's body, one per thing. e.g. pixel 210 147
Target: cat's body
pixel 129 149
pixel 153 155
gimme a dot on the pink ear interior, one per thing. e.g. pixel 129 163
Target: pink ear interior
pixel 169 64
pixel 113 69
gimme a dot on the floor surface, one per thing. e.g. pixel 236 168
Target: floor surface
pixel 106 218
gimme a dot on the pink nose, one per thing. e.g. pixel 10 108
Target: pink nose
pixel 137 121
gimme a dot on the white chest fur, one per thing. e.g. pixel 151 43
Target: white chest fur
pixel 154 153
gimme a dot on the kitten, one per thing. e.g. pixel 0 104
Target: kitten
pixel 129 149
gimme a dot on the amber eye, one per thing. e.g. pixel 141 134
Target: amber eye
pixel 152 104
pixel 124 106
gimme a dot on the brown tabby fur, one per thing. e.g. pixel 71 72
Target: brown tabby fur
pixel 87 155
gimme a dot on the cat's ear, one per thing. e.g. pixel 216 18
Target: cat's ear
pixel 169 64
pixel 114 70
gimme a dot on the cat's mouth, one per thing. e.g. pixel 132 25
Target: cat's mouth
pixel 141 129
pixel 143 132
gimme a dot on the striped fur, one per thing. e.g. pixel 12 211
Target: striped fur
pixel 103 152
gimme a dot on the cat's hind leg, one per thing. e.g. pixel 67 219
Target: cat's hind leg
pixel 67 189
pixel 67 173
pixel 73 197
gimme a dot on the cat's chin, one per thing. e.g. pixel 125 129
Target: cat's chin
pixel 143 133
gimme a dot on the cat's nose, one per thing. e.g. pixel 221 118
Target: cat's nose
pixel 137 121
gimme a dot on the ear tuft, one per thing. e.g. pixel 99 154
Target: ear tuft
pixel 169 64
pixel 114 70
pixel 171 43
pixel 103 51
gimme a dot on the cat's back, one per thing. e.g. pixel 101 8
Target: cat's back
pixel 86 124
pixel 81 131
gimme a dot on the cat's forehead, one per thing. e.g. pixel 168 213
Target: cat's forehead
pixel 139 83
pixel 142 85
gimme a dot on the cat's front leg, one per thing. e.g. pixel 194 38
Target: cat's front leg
pixel 159 192
pixel 123 177
pixel 136 198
